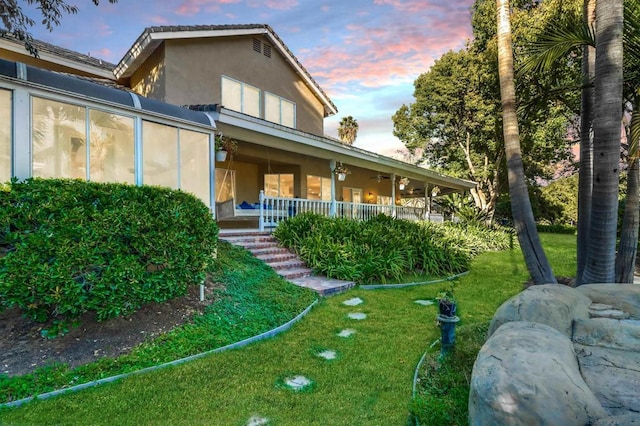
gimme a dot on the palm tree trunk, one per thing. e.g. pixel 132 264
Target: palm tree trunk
pixel 627 250
pixel 585 177
pixel 524 222
pixel 600 261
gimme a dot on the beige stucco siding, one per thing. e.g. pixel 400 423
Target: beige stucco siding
pixel 193 70
pixel 151 78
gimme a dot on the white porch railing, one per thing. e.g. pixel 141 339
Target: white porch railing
pixel 276 209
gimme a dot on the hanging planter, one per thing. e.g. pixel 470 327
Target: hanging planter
pixel 221 155
pixel 403 182
pixel 341 172
pixel 224 146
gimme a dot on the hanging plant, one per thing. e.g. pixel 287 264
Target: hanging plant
pixel 341 171
pixel 224 143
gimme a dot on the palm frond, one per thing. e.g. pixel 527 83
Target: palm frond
pixel 543 53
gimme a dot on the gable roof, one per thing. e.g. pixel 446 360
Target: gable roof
pixel 60 56
pixel 152 37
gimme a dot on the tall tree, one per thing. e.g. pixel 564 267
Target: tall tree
pixel 17 23
pixel 600 261
pixel 524 222
pixel 585 178
pixel 348 130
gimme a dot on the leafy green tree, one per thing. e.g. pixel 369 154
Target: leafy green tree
pixel 348 130
pixel 16 22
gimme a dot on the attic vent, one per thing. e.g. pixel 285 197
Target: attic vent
pixel 256 45
pixel 267 51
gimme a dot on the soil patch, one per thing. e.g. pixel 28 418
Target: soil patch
pixel 23 349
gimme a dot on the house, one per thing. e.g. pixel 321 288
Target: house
pixel 174 90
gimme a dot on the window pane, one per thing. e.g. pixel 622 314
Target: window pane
pixel 58 144
pixel 225 184
pixel 194 164
pixel 231 94
pixel 286 186
pixel 314 188
pixel 111 148
pixel 271 185
pixel 271 108
pixel 288 113
pixel 326 189
pixel 251 101
pixel 159 155
pixel 5 135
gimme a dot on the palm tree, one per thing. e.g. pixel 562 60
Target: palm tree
pixel 348 130
pixel 524 222
pixel 600 261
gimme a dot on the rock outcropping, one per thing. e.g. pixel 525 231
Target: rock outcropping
pixel 558 355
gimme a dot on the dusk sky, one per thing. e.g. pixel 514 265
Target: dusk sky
pixel 365 54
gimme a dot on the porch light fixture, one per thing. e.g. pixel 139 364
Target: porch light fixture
pixel 403 182
pixel 341 171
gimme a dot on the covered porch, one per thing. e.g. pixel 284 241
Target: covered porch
pixel 278 172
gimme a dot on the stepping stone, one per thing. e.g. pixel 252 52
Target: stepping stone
pixel 328 354
pixel 353 302
pixel 257 421
pixel 424 302
pixel 297 382
pixel 357 315
pixel 347 332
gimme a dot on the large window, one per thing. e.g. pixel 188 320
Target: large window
pixel 58 144
pixel 279 110
pixel 159 154
pixel 194 164
pixel 111 148
pixel 225 184
pixel 59 147
pixel 278 185
pixel 318 188
pixel 5 135
pixel 240 97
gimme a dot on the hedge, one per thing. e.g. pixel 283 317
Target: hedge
pixel 68 247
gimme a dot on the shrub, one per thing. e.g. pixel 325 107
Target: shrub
pixel 557 229
pixel 382 249
pixel 72 247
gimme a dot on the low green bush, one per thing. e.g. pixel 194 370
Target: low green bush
pixel 382 249
pixel 68 247
pixel 557 229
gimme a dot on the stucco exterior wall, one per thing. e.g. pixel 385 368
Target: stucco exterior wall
pixel 192 70
pixel 151 79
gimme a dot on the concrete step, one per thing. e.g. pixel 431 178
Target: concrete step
pixel 250 239
pixel 290 274
pixel 294 263
pixel 270 250
pixel 276 257
pixel 258 245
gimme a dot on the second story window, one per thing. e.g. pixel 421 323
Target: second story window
pixel 279 110
pixel 240 97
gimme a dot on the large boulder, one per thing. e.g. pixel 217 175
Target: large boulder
pixel 625 297
pixel 508 386
pixel 552 304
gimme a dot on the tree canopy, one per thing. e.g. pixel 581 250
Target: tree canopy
pixel 455 117
pixel 16 22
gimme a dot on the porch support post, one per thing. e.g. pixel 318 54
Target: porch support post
pixel 393 195
pixel 427 200
pixel 261 217
pixel 332 208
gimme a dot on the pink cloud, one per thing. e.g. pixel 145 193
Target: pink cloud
pixel 193 7
pixel 281 4
pixel 160 20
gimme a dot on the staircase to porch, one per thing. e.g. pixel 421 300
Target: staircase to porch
pixel 286 264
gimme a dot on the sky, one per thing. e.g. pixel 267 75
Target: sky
pixel 365 54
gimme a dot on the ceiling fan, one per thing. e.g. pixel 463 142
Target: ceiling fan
pixel 380 177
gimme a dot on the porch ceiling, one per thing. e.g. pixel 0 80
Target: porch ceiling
pixel 260 132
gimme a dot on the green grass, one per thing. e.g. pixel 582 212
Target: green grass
pixel 443 390
pixel 368 384
pixel 252 300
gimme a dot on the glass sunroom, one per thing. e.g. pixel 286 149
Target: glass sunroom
pixel 54 125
